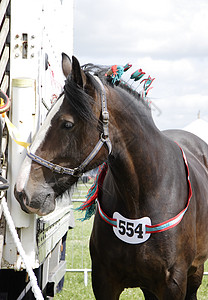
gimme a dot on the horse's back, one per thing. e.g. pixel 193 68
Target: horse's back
pixel 191 144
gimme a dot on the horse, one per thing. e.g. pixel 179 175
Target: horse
pixel 151 219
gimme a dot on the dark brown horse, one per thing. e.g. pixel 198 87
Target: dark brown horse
pixel 147 183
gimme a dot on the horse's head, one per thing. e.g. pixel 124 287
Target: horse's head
pixel 67 138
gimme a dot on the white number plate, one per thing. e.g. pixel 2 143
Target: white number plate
pixel 132 231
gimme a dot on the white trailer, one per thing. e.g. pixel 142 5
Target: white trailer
pixel 32 36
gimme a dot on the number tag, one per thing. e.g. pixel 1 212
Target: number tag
pixel 131 231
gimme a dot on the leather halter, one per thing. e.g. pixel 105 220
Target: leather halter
pixel 104 139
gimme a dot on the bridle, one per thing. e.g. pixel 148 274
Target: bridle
pixel 104 139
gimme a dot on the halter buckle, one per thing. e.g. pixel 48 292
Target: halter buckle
pixel 57 169
pixel 77 172
pixel 105 116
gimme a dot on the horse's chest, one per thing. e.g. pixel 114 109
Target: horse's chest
pixel 131 231
pixel 130 263
pixel 114 251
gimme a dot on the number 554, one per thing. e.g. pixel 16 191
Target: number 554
pixel 129 229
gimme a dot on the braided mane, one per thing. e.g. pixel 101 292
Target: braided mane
pixel 101 70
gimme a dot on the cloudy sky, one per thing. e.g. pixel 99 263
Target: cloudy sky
pixel 168 39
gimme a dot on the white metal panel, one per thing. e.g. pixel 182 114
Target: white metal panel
pixel 36 29
pixel 23 106
pixel 25 19
pixel 23 94
pixel 50 236
pixel 28 239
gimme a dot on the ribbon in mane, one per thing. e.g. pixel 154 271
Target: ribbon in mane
pixel 90 204
pixel 147 83
pixel 137 75
pixel 115 72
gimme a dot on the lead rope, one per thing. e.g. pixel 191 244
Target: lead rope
pixel 35 288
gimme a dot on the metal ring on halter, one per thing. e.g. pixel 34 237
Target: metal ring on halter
pixel 104 139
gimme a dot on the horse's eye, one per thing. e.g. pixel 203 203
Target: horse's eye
pixel 68 124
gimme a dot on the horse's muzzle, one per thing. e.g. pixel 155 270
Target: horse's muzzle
pixel 40 204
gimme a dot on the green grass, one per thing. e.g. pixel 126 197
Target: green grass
pixel 78 257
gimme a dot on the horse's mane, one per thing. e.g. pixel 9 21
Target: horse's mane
pixel 100 71
pixel 81 102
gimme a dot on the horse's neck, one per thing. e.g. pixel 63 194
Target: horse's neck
pixel 136 155
pixel 134 165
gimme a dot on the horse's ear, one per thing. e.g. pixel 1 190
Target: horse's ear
pixel 77 73
pixel 66 64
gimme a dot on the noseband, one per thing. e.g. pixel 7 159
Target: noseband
pixel 104 139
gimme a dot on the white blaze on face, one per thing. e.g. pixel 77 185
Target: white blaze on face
pixel 46 125
pixel 26 166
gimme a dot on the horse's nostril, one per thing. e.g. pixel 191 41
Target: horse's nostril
pixel 48 197
pixel 22 199
pixel 20 196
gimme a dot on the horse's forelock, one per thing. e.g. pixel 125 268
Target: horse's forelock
pixel 80 101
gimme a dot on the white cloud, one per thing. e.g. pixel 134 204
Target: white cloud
pixel 166 38
pixel 177 112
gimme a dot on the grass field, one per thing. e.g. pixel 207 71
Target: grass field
pixel 77 256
